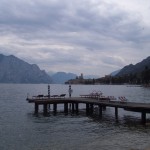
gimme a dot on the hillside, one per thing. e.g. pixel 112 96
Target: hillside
pixel 15 70
pixel 62 77
pixel 114 73
pixel 137 68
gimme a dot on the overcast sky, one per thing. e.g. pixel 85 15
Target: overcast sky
pixel 79 36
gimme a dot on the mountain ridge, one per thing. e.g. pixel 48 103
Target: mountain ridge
pixel 62 77
pixel 15 70
pixel 137 68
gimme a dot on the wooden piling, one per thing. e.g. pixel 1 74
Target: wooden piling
pixel 77 107
pixel 91 108
pixel 49 106
pixel 104 107
pixel 143 117
pixel 87 108
pixel 116 113
pixel 45 109
pixel 55 108
pixel 100 110
pixel 36 108
pixel 66 107
pixel 72 107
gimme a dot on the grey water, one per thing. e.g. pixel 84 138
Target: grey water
pixel 21 129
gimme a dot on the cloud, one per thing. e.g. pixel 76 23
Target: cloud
pixel 76 36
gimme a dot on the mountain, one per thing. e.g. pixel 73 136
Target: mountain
pixel 62 77
pixel 137 68
pixel 115 72
pixel 15 70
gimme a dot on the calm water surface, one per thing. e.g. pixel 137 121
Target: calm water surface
pixel 21 129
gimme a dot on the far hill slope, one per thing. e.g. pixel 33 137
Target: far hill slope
pixel 137 68
pixel 62 77
pixel 115 72
pixel 15 70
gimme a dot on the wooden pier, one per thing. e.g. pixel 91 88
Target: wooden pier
pixel 74 102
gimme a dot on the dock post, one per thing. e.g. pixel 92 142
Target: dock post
pixel 72 107
pixel 91 108
pixel 55 108
pixel 49 106
pixel 36 108
pixel 87 108
pixel 143 116
pixel 116 113
pixel 77 107
pixel 100 110
pixel 66 108
pixel 104 107
pixel 45 109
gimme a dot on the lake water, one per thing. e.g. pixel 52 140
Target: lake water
pixel 20 129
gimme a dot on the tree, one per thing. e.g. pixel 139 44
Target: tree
pixel 146 75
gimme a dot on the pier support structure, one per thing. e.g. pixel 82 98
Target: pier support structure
pixel 73 109
pixel 91 108
pixel 143 117
pixel 87 108
pixel 77 107
pixel 36 108
pixel 66 107
pixel 100 110
pixel 116 113
pixel 45 109
pixel 55 108
pixel 73 105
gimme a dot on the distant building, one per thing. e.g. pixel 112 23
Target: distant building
pixel 77 80
pixel 81 76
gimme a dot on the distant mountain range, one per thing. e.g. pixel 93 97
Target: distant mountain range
pixel 137 68
pixel 62 77
pixel 15 70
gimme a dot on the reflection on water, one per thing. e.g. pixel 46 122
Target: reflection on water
pixel 20 128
